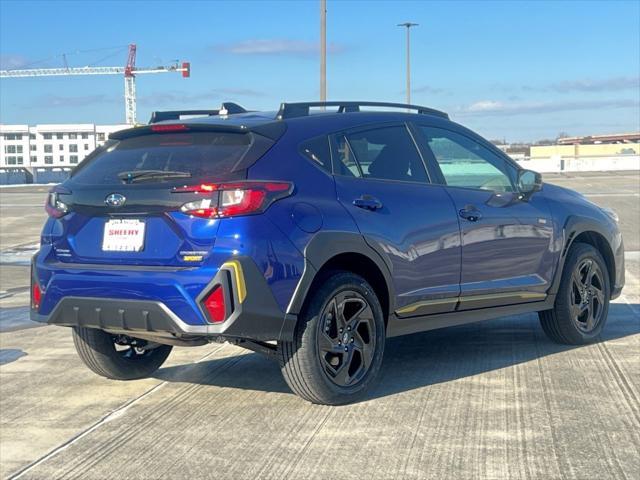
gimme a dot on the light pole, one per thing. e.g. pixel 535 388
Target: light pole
pixel 323 50
pixel 408 26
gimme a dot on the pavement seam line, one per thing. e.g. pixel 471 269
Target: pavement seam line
pixel 105 419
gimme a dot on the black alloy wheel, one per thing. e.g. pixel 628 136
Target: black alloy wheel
pixel 587 296
pixel 582 302
pixel 347 338
pixel 338 344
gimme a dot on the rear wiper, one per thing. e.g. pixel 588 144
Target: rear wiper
pixel 142 175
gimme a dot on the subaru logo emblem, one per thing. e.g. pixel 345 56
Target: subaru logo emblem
pixel 115 200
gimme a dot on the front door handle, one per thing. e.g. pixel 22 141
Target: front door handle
pixel 368 202
pixel 470 213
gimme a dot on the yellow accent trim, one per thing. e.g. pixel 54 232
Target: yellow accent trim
pixel 493 296
pixel 469 298
pixel 425 303
pixel 237 271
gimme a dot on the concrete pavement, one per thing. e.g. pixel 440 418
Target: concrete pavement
pixel 488 400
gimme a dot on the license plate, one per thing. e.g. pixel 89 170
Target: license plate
pixel 123 235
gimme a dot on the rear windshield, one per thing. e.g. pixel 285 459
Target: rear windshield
pixel 192 155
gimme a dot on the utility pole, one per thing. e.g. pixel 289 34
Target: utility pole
pixel 408 26
pixel 323 50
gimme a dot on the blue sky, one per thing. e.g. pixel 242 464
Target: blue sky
pixel 514 70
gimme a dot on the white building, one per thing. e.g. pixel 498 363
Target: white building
pixel 61 145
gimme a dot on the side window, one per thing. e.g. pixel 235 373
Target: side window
pixel 465 163
pixel 346 164
pixel 317 150
pixel 386 153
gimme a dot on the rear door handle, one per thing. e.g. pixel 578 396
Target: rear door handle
pixel 470 213
pixel 368 202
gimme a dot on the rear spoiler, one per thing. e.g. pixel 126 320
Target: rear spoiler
pixel 272 130
pixel 228 108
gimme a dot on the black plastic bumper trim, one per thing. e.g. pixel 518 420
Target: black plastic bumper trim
pixel 257 317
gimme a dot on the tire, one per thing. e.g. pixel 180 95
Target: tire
pixel 338 344
pixel 582 304
pixel 97 349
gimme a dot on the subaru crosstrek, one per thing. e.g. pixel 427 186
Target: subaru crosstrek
pixel 312 236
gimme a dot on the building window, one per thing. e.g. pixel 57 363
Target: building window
pixel 62 158
pixel 32 148
pixel 9 149
pixel 19 148
pixel 47 136
pixel 73 136
pixel 73 159
pixel 48 149
pixel 32 136
pixel 11 160
pixel 48 159
pixel 61 147
pixel 101 137
pixel 73 148
pixel 59 136
pixel 86 146
pixel 85 136
pixel 33 159
pixel 20 160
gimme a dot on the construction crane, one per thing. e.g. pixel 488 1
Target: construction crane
pixel 129 71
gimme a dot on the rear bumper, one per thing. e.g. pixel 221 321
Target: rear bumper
pixel 252 314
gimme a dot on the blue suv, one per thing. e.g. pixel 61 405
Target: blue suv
pixel 312 237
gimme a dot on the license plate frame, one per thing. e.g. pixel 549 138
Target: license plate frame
pixel 124 235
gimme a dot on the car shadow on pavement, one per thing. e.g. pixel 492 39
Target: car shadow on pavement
pixel 418 360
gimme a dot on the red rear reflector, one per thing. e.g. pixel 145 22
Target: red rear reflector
pixel 214 303
pixel 36 295
pixel 177 127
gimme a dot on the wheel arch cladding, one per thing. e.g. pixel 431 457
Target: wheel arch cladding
pixel 331 251
pixel 599 242
pixel 360 265
pixel 584 230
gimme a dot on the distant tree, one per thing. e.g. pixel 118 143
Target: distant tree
pixel 562 135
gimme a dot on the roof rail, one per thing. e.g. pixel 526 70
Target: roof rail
pixel 227 108
pixel 301 109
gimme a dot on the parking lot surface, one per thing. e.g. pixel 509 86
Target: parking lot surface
pixel 489 400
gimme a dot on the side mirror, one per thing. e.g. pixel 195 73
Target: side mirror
pixel 529 182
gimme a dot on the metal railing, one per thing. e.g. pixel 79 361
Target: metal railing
pixel 29 175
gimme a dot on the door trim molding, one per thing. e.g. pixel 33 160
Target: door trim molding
pixel 468 302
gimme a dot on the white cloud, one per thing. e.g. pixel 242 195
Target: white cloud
pixel 276 46
pixel 611 84
pixel 11 62
pixel 495 107
pixel 207 99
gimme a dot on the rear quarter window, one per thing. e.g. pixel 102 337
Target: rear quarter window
pixel 317 150
pixel 202 155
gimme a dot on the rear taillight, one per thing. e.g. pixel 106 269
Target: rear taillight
pixel 215 305
pixel 36 294
pixel 54 206
pixel 233 199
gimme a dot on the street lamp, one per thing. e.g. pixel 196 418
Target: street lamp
pixel 408 26
pixel 323 50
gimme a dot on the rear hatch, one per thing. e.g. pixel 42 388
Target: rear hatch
pixel 125 204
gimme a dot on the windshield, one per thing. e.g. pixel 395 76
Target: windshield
pixel 187 155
